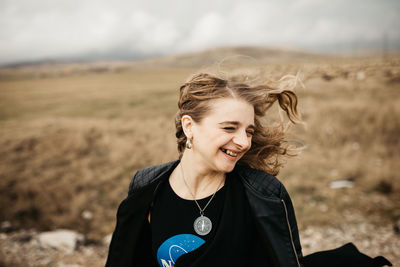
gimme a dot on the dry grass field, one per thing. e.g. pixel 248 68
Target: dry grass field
pixel 72 136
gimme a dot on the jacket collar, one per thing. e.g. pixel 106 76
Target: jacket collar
pixel 262 182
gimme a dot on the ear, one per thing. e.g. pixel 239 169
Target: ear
pixel 187 124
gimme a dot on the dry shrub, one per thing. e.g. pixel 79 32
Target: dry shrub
pixel 52 172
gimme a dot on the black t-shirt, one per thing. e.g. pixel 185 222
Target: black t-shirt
pixel 172 220
pixel 233 240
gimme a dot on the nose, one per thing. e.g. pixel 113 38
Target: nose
pixel 242 140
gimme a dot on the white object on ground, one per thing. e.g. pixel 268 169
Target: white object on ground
pixel 66 240
pixel 341 184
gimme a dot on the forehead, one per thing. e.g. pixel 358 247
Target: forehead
pixel 230 109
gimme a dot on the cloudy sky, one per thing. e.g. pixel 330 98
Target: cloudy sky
pixel 100 29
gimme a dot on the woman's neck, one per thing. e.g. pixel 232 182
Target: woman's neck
pixel 191 178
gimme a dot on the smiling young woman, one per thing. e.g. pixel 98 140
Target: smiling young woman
pixel 219 203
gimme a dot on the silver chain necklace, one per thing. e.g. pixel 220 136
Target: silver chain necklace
pixel 202 225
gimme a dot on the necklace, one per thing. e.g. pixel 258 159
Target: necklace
pixel 202 225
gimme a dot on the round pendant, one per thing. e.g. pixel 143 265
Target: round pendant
pixel 202 225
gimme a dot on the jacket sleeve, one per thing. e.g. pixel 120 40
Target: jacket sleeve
pixel 292 223
pixel 130 243
pixel 131 184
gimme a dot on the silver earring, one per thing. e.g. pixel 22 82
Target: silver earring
pixel 189 144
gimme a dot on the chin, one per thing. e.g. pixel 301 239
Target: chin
pixel 227 163
pixel 227 167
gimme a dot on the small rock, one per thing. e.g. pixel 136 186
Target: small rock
pixel 360 75
pixel 323 207
pixel 6 227
pixel 87 251
pixel 355 146
pixel 341 184
pixel 65 240
pixel 87 215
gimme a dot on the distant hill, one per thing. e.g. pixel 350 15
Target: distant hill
pixel 249 54
pixel 226 56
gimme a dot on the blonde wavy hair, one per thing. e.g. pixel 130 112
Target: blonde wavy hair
pixel 268 142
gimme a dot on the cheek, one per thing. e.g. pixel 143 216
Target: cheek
pixel 222 140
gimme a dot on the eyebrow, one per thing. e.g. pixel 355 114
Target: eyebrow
pixel 237 123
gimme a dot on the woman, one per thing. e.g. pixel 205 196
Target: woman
pixel 215 206
pixel 219 204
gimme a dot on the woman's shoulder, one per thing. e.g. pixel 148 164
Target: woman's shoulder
pixel 146 176
pixel 260 181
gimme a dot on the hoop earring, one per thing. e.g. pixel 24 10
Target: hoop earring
pixel 189 144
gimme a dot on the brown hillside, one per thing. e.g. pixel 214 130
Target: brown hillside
pixel 70 142
pixel 222 57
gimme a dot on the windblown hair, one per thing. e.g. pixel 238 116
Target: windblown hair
pixel 268 142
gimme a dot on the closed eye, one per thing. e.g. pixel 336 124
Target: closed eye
pixel 250 133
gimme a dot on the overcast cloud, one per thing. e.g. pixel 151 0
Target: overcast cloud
pixel 53 29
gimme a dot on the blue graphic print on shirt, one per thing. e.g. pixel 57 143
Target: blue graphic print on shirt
pixel 172 248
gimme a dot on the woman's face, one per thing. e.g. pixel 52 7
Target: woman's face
pixel 222 137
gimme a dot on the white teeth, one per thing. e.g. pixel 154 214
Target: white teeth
pixel 230 153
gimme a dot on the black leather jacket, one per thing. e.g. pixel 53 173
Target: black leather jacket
pixel 269 201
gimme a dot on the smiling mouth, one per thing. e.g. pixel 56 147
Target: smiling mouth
pixel 229 152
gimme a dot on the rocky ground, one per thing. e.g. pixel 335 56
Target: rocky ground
pixel 63 248
pixel 370 239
